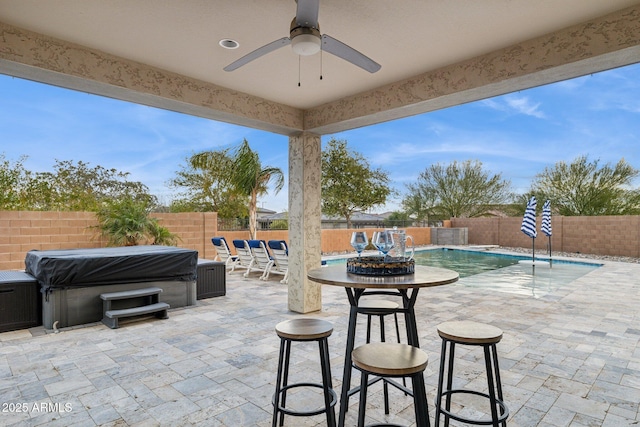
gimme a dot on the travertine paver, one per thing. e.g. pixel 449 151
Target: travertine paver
pixel 570 357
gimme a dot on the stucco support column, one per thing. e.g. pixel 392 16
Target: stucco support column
pixel 304 221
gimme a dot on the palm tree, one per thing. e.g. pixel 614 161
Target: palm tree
pixel 252 180
pixel 126 222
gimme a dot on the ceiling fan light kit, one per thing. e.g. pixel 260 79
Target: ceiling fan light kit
pixel 305 41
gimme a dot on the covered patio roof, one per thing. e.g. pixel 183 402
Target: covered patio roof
pixel 433 54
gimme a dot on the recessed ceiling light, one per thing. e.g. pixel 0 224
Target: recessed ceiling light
pixel 229 44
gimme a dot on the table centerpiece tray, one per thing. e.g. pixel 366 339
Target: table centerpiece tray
pixel 380 266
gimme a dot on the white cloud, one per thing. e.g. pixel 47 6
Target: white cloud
pixel 513 104
pixel 522 105
pixel 492 103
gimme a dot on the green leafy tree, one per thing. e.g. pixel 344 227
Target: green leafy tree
pixel 586 188
pixel 79 187
pixel 252 179
pixel 398 219
pixel 14 183
pixel 70 187
pixel 349 185
pixel 459 190
pixel 160 235
pixel 419 202
pixel 279 224
pixel 207 185
pixel 227 182
pixel 126 222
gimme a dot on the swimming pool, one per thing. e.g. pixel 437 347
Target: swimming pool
pixel 466 263
pixel 501 272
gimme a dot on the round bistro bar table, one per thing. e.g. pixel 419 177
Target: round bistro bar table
pixel 405 286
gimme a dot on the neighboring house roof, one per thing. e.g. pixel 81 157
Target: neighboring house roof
pixel 262 212
pixel 357 217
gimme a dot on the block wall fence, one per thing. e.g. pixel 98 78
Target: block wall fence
pixel 599 235
pixel 22 231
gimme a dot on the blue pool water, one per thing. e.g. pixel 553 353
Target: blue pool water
pixel 466 263
pixel 502 272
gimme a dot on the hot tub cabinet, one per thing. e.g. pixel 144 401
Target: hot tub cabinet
pixel 71 281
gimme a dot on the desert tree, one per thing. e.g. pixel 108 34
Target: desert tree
pixel 457 190
pixel 349 184
pixel 587 188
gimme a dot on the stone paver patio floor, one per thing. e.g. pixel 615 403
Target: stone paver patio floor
pixel 569 358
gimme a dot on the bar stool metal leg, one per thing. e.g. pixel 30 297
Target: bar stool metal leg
pixel 420 395
pixel 276 396
pixel 287 358
pixel 497 375
pixel 327 382
pixel 362 409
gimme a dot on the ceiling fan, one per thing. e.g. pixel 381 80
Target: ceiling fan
pixel 305 39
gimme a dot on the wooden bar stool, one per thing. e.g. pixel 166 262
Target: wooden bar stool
pixel 474 334
pixel 303 330
pixel 389 360
pixel 381 308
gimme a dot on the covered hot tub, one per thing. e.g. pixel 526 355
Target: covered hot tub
pixel 72 280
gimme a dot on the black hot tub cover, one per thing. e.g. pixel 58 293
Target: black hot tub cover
pixel 108 266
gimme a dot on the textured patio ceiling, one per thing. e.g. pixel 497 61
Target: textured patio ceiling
pixel 434 54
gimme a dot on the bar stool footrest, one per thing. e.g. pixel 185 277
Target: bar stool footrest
pixel 334 399
pixel 374 379
pixel 384 425
pixel 504 411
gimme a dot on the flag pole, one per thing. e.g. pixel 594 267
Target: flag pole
pixel 546 226
pixel 529 228
pixel 533 257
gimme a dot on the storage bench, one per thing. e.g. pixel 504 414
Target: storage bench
pixel 20 302
pixel 212 280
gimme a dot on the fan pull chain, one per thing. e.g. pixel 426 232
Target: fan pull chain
pixel 321 64
pixel 298 70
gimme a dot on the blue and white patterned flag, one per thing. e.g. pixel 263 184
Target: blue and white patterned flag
pixel 546 218
pixel 529 220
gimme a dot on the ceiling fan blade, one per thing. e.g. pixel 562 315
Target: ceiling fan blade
pixel 341 50
pixel 258 53
pixel 307 13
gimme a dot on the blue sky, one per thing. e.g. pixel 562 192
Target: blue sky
pixel 516 135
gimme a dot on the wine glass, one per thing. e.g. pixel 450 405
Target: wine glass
pixel 359 241
pixel 374 237
pixel 384 242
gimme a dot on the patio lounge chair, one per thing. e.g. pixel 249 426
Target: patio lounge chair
pixel 224 253
pixel 280 253
pixel 245 258
pixel 261 258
